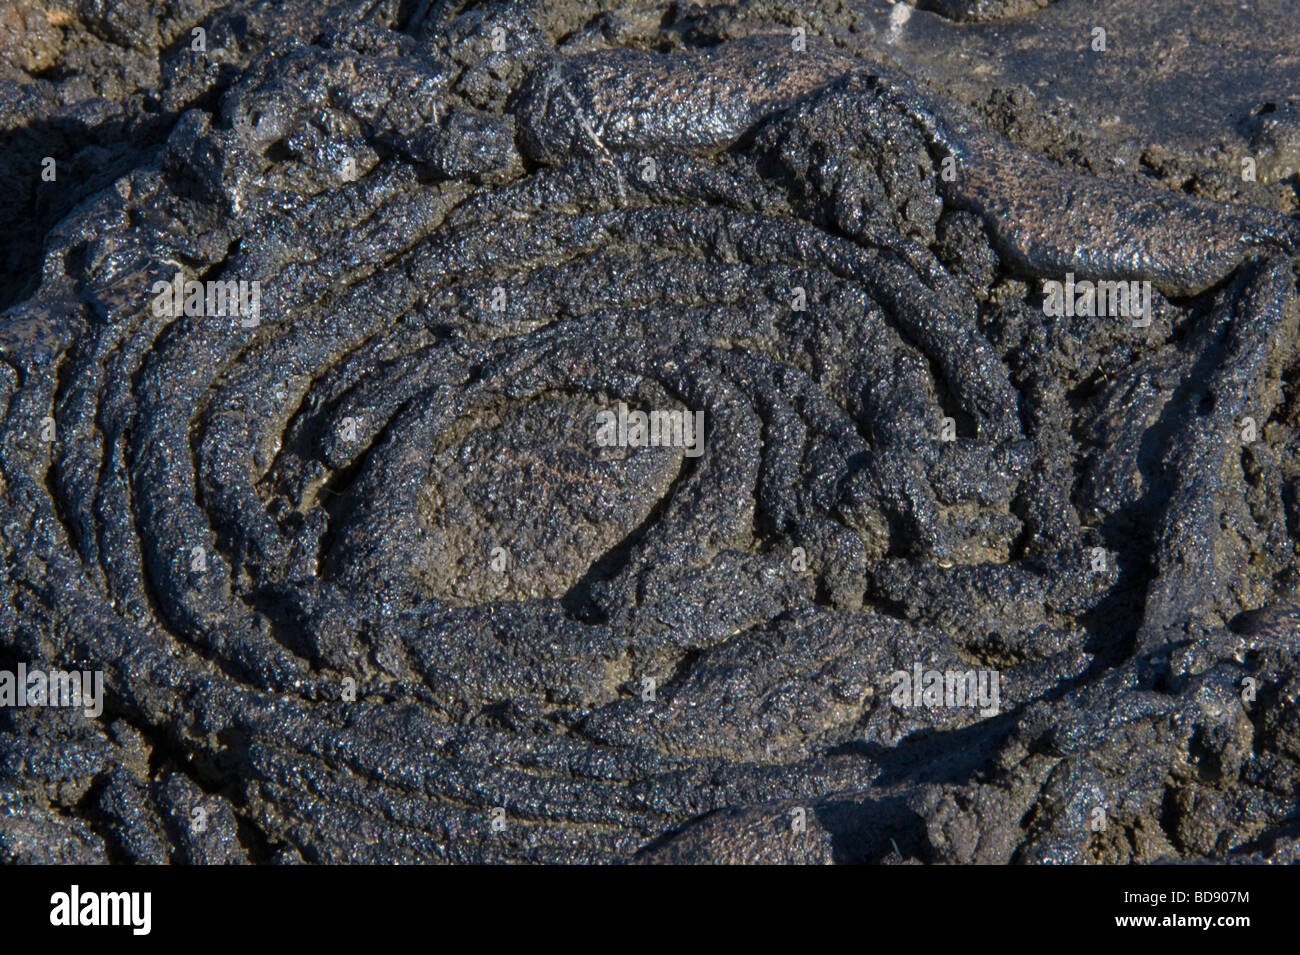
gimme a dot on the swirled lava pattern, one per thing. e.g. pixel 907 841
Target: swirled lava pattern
pixel 365 585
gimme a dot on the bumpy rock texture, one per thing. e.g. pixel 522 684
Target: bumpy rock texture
pixel 365 586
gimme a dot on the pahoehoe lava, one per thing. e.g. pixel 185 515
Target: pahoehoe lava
pixel 366 588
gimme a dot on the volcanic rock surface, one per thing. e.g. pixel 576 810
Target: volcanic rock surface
pixel 364 584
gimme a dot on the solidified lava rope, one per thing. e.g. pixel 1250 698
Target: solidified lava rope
pixel 616 100
pixel 366 587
